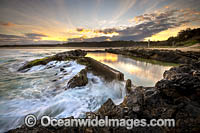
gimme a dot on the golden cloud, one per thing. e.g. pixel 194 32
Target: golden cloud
pixel 89 33
pixel 7 24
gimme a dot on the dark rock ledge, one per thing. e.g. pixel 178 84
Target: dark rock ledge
pixel 176 96
pixel 69 55
pixel 170 56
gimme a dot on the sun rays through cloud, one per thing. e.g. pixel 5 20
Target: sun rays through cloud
pixel 94 20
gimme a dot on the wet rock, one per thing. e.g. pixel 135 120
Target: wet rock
pixel 111 110
pixel 128 85
pixel 66 73
pixel 78 80
pixel 49 67
pixel 77 53
pixel 69 55
pixel 62 69
pixel 95 81
pixel 36 62
pixel 54 80
pixel 83 61
pixel 67 65
pixel 106 109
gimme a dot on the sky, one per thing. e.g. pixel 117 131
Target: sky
pixel 60 21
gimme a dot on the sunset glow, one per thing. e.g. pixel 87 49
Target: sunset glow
pixel 61 21
pixel 108 57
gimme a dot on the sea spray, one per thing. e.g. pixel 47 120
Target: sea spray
pixel 43 95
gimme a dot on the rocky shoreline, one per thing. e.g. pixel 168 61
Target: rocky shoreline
pixel 176 96
pixel 170 56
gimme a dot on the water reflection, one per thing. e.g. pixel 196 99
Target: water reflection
pixel 104 57
pixel 141 73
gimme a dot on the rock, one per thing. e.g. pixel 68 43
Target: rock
pixel 54 80
pixel 181 81
pixel 78 80
pixel 95 81
pixel 187 118
pixel 62 69
pixel 69 55
pixel 111 110
pixel 183 84
pixel 73 53
pixel 67 65
pixel 107 107
pixel 49 67
pixel 136 108
pixel 196 73
pixel 160 55
pixel 134 101
pixel 65 73
pixel 77 53
pixel 36 62
pixel 128 85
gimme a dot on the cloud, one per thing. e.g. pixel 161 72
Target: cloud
pixel 141 18
pixel 79 29
pixel 27 38
pixel 148 25
pixel 94 39
pixel 34 35
pixel 7 24
pixel 104 31
pixel 4 36
pixel 152 23
pixel 11 39
pixel 107 31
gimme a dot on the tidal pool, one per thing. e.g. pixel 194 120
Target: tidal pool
pixel 141 72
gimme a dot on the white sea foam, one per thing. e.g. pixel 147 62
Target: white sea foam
pixel 43 93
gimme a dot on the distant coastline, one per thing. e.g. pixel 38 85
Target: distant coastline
pixel 105 44
pixel 56 47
